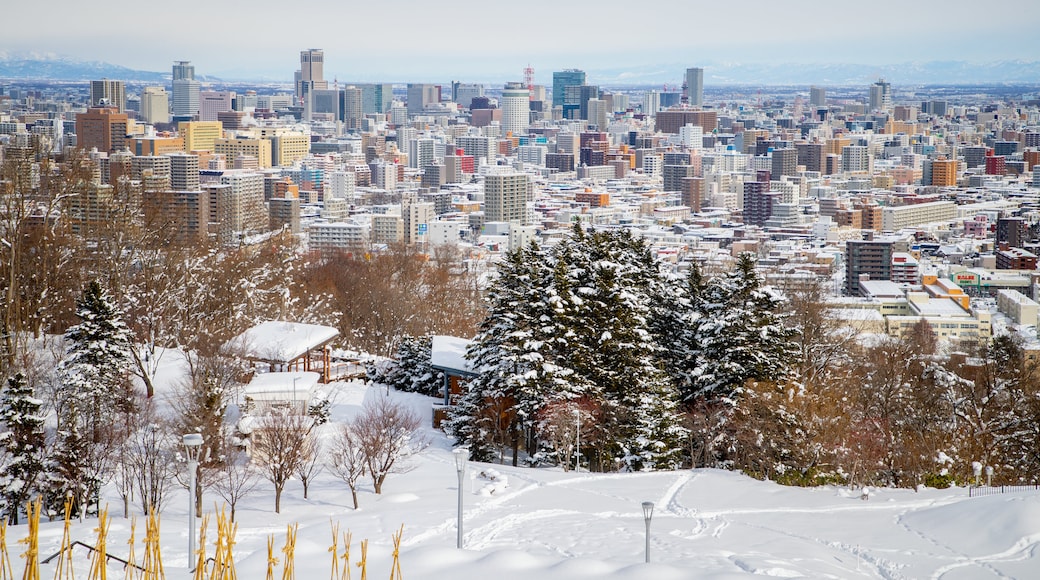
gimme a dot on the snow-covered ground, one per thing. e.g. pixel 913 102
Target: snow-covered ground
pixel 555 525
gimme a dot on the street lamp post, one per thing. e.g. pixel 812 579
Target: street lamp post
pixel 192 445
pixel 461 457
pixel 648 513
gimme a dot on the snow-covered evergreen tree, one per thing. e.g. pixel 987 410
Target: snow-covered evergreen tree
pixel 411 370
pixel 740 334
pixel 98 358
pixel 23 439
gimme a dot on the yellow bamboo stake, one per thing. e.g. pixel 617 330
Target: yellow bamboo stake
pixel 32 541
pixel 347 536
pixel 6 572
pixel 395 568
pixel 334 575
pixel 289 565
pixel 153 568
pixel 64 569
pixel 271 560
pixel 200 563
pixel 363 564
pixel 131 558
pixel 99 557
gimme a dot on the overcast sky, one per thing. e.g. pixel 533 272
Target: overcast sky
pixel 406 39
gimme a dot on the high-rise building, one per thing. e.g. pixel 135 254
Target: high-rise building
pixel 106 93
pixel 103 128
pixel 351 107
pixel 186 99
pixel 694 83
pixel 598 117
pixel 505 197
pixel 944 172
pixel 870 257
pixel 213 102
pixel 183 69
pixel 311 74
pixel 880 96
pixel 464 93
pixel 155 105
pixel 818 96
pixel 563 79
pixel 375 98
pixel 420 95
pixel 784 162
pixel 200 135
pixel 651 102
pixel 184 172
pixel 516 108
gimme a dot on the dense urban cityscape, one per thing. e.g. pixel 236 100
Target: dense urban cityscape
pixel 830 286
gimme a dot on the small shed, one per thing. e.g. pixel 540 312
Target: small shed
pixel 269 391
pixel 288 346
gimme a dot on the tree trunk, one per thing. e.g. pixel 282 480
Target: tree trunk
pixel 304 481
pixel 277 499
pixel 233 511
pixel 377 482
pixel 353 494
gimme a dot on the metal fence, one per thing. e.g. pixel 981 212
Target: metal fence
pixel 980 491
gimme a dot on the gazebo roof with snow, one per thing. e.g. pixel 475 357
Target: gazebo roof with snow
pixel 277 341
pixel 448 354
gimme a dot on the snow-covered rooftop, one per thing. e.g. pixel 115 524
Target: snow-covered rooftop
pixel 280 341
pixel 282 386
pixel 449 353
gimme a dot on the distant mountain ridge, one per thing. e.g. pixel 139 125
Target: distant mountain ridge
pixel 51 67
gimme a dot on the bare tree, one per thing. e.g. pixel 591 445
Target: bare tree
pixel 150 453
pixel 312 460
pixel 347 459
pixel 277 445
pixel 389 434
pixel 236 478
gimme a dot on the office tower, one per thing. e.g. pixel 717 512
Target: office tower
pixel 505 197
pixel 818 96
pixel 326 102
pixel 464 93
pixel 213 102
pixel 186 99
pixel 352 108
pixel 108 93
pixel 231 149
pixel 200 135
pixel 811 156
pixel 375 97
pixel 516 108
pixel 880 96
pixel 155 105
pixel 103 128
pixel 694 83
pixel 420 95
pixel 183 69
pixel 563 79
pixel 311 74
pixel 671 121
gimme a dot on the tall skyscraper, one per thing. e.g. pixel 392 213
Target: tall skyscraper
pixel 563 79
pixel 108 93
pixel 185 91
pixel 186 99
pixel 213 102
pixel 516 108
pixel 695 86
pixel 312 72
pixel 183 69
pixel 351 107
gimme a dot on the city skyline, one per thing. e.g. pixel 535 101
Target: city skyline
pixel 369 42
